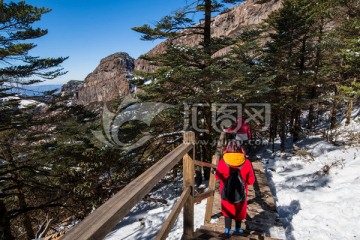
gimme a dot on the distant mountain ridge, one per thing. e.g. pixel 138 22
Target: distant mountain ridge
pixel 36 90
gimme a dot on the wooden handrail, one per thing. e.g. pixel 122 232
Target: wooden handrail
pixel 205 164
pixel 212 181
pixel 99 223
pixel 204 195
pixel 164 231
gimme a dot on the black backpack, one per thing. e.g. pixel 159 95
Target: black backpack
pixel 234 188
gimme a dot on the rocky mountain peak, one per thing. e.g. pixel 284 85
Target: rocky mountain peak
pixel 71 87
pixel 108 81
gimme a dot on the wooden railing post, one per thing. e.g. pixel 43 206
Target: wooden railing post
pixel 188 176
pixel 212 181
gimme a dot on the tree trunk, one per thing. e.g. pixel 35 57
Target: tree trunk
pixel 310 121
pixel 5 229
pixel 297 125
pixel 292 118
pixel 349 112
pixel 274 130
pixel 26 219
pixel 204 149
pixel 207 27
pixel 317 65
pixel 207 149
pixel 283 132
pixel 333 120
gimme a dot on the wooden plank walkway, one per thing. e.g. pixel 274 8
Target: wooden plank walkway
pixel 262 218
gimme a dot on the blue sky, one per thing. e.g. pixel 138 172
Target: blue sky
pixel 89 30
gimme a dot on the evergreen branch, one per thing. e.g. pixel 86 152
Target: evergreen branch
pixel 15 213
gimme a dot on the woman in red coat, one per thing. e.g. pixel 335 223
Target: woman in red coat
pixel 234 211
pixel 242 130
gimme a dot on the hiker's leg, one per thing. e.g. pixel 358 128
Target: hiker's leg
pixel 238 228
pixel 227 226
pixel 228 222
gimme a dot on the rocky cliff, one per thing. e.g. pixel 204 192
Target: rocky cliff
pixel 71 87
pixel 229 24
pixel 108 81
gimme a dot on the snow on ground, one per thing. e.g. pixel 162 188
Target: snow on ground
pixel 10 98
pixel 146 218
pixel 27 103
pixel 317 189
pixel 23 103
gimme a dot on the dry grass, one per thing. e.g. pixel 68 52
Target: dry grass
pixel 303 154
pixel 325 170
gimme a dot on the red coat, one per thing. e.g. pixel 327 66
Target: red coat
pixel 242 128
pixel 235 211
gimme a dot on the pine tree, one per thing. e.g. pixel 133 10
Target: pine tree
pixel 188 73
pixel 53 169
pixel 18 67
pixel 287 58
pixel 292 63
pixel 348 33
pixel 310 56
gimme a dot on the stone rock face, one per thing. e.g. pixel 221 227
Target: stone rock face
pixel 108 81
pixel 229 24
pixel 71 87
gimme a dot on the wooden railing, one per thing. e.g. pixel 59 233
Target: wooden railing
pixel 99 223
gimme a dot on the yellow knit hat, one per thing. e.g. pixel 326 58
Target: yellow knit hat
pixel 234 159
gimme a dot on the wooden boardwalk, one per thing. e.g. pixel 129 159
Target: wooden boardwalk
pixel 262 221
pixel 262 218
